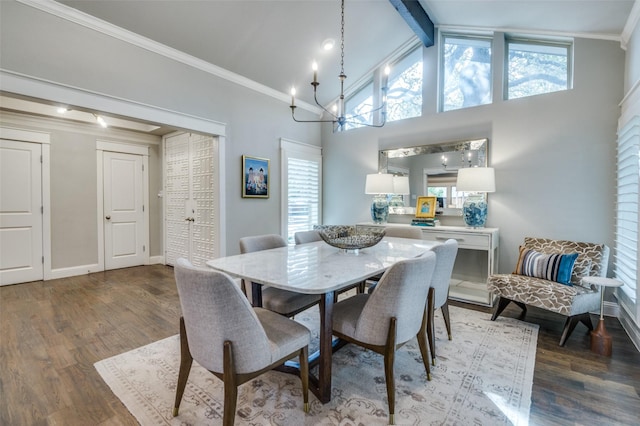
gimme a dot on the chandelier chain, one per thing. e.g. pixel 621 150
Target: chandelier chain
pixel 342 41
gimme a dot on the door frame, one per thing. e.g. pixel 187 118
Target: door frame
pixel 44 139
pixel 124 148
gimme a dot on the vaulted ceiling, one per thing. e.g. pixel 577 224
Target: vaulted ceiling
pixel 274 42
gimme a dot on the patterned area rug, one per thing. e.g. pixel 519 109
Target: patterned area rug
pixel 481 377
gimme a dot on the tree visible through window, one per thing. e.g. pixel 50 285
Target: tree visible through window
pixel 535 68
pixel 466 72
pixel 404 87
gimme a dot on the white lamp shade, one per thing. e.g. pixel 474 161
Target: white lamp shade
pixel 476 179
pixel 401 185
pixel 379 183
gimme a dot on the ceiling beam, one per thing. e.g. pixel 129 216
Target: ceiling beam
pixel 417 19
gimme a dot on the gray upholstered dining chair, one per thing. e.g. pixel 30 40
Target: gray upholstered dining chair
pixel 398 232
pixel 439 290
pixel 284 302
pixel 390 316
pixel 222 332
pixel 303 237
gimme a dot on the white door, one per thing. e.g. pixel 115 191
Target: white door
pixel 20 212
pixel 124 210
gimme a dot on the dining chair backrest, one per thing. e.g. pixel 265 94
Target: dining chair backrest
pixel 396 295
pixel 215 311
pixel 261 242
pixel 446 257
pixel 303 237
pixel 403 232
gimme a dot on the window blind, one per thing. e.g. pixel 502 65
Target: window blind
pixel 626 233
pixel 302 183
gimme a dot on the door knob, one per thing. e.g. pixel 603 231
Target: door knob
pixel 108 217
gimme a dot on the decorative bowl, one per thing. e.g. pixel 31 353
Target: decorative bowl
pixel 349 237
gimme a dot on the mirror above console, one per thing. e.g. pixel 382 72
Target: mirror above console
pixel 432 170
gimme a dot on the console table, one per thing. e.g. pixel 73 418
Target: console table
pixel 477 259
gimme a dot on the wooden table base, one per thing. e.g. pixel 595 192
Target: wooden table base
pixel 601 340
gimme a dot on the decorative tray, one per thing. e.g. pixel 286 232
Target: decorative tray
pixel 349 237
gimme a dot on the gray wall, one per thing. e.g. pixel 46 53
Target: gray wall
pixel 554 154
pixel 91 61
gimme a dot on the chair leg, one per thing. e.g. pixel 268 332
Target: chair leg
pixel 422 343
pixel 304 377
pixel 389 358
pixel 502 303
pixel 571 323
pixel 430 325
pixel 447 320
pixel 185 366
pixel 230 386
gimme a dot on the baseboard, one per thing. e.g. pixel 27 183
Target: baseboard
pixel 156 260
pixel 74 271
pixel 632 329
pixel 611 309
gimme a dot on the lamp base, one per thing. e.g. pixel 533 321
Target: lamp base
pixel 474 210
pixel 380 209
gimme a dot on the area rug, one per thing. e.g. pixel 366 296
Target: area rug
pixel 481 377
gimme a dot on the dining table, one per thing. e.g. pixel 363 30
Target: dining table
pixel 318 268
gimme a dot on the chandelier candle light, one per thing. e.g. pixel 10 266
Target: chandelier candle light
pixel 477 181
pixel 338 115
pixel 379 184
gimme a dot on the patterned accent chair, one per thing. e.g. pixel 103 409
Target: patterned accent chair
pixel 573 301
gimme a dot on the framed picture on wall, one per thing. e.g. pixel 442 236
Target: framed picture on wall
pixel 426 207
pixel 255 177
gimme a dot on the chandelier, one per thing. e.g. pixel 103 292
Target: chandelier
pixel 338 115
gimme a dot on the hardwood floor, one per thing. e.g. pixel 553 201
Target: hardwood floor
pixel 52 332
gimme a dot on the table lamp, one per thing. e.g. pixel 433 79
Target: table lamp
pixel 477 181
pixel 400 188
pixel 379 184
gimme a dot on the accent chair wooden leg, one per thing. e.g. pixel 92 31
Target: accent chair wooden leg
pixel 389 358
pixel 422 343
pixel 185 366
pixel 230 386
pixel 304 377
pixel 447 320
pixel 430 325
pixel 571 323
pixel 502 303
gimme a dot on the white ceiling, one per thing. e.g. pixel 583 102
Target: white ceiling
pixel 274 42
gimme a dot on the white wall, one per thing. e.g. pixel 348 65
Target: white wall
pixel 554 154
pixel 43 47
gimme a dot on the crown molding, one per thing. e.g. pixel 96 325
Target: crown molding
pixel 91 22
pixel 33 87
pixel 488 30
pixel 630 26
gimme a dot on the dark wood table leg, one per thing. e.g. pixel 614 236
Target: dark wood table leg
pixel 256 295
pixel 323 391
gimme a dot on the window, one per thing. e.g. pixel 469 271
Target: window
pixel 444 188
pixel 301 187
pixel 404 87
pixel 626 236
pixel 534 68
pixel 466 72
pixel 358 107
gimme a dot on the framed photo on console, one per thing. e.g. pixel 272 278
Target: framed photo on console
pixel 426 207
pixel 255 177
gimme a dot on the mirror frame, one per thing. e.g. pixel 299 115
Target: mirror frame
pixel 480 146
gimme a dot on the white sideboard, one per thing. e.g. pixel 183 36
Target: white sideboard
pixel 477 259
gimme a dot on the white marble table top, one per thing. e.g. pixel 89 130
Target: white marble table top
pixel 317 268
